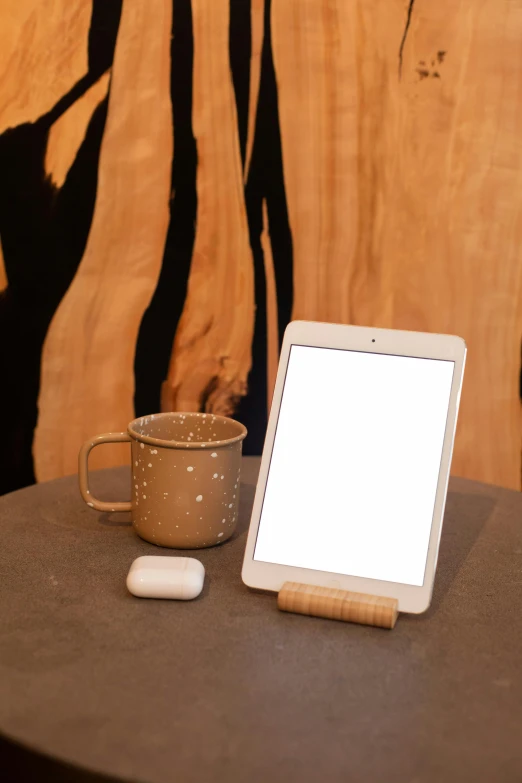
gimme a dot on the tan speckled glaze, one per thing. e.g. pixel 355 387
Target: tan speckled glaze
pixel 185 478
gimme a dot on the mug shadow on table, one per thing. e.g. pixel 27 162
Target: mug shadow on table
pixel 465 516
pixel 115 519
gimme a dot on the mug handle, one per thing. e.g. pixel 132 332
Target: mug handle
pixel 83 471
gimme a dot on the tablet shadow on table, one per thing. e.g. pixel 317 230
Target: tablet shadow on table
pixel 246 501
pixel 465 516
pixel 28 765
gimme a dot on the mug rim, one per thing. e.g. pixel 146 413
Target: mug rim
pixel 183 444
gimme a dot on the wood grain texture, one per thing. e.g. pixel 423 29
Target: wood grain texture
pixel 43 53
pixel 212 348
pixel 440 248
pixel 257 28
pixel 87 375
pixel 460 165
pixel 3 273
pixel 338 605
pixel 68 132
pixel 314 49
pixel 272 326
pixel 403 167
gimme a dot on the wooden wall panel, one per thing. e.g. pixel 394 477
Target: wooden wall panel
pixel 68 132
pixel 380 39
pixel 212 349
pixel 400 125
pixel 87 367
pixel 314 46
pixel 446 239
pixel 461 169
pixel 43 53
pixel 431 193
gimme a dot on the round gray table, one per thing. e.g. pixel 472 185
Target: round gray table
pixel 226 688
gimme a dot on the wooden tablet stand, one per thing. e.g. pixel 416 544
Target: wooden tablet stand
pixel 338 604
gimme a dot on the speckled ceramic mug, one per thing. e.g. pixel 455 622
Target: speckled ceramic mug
pixel 185 477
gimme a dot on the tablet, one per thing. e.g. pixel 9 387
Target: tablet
pixel 355 466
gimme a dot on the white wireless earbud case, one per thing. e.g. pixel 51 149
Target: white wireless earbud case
pixel 154 576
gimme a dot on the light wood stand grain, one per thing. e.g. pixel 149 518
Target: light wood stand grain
pixel 338 604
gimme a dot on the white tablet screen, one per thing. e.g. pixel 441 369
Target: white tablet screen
pixel 355 464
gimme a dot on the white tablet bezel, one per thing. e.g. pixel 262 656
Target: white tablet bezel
pixel 270 576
